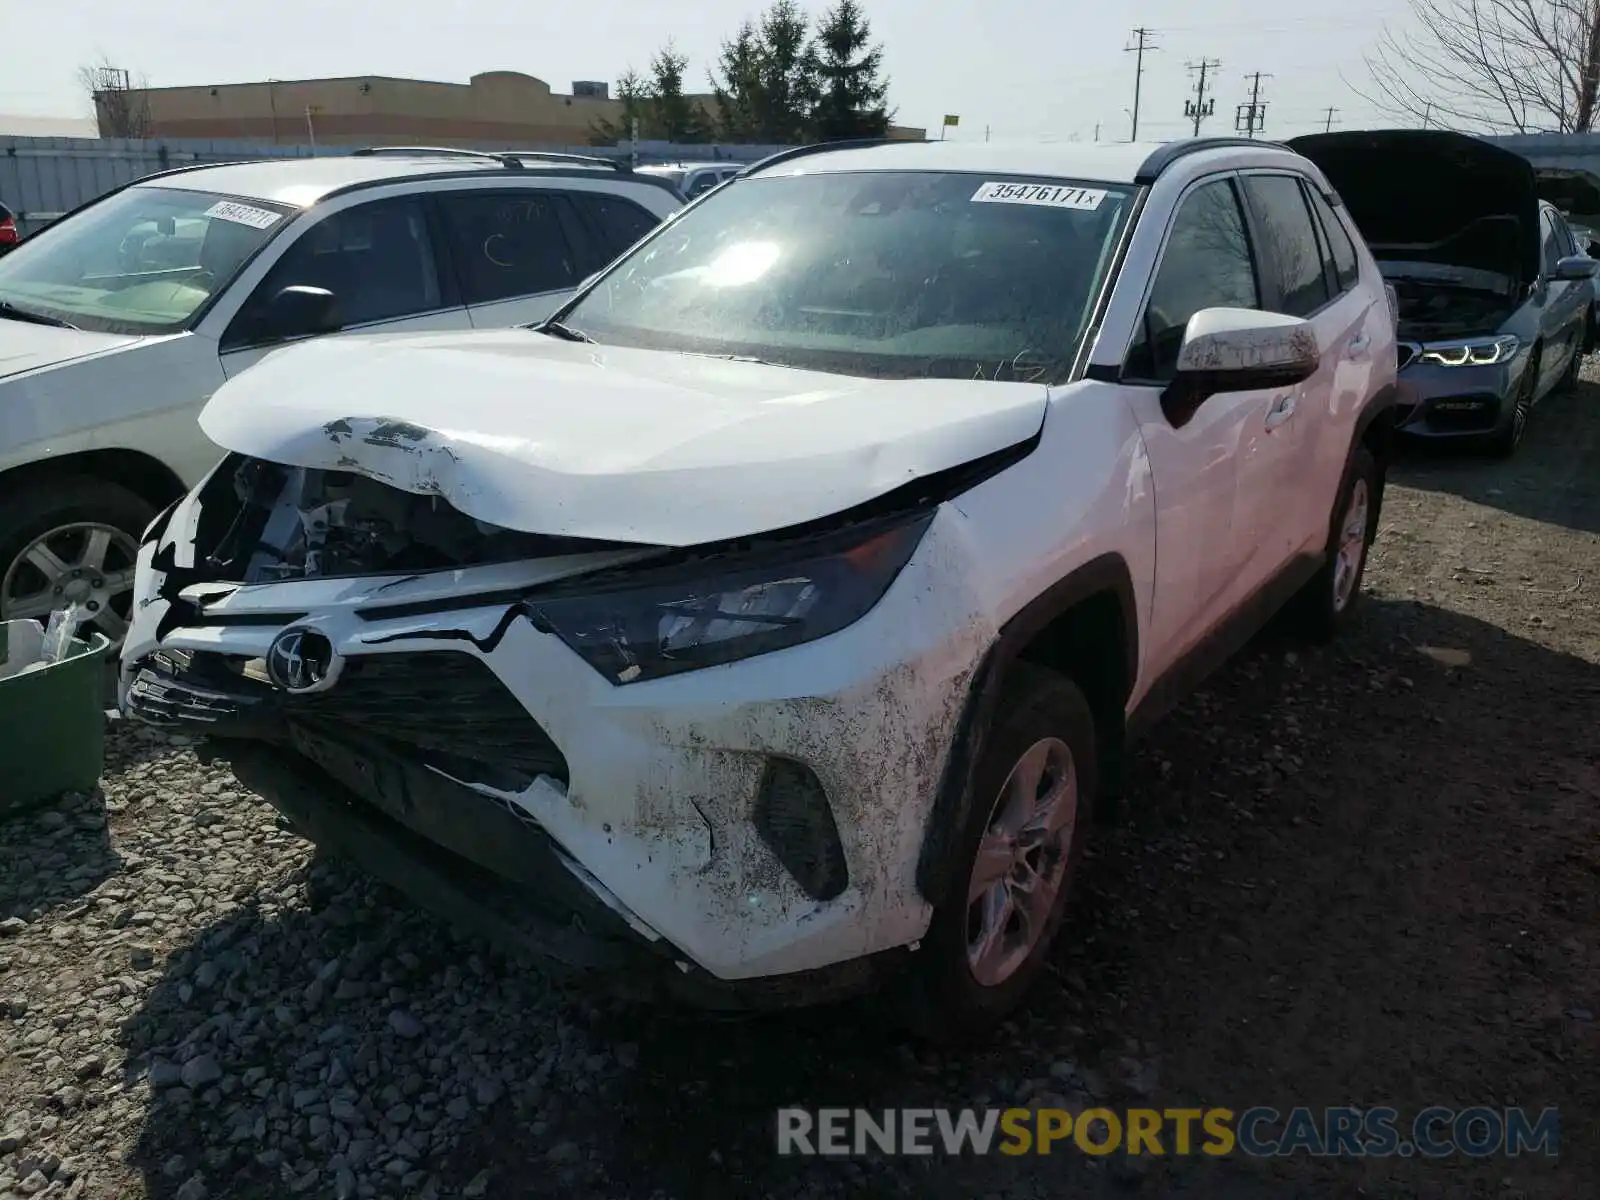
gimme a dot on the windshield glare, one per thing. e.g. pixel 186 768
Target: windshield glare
pixel 140 261
pixel 890 274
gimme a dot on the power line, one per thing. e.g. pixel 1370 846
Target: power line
pixel 1251 117
pixel 1143 41
pixel 1200 108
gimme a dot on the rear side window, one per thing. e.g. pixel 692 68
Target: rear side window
pixel 1207 264
pixel 508 244
pixel 1346 267
pixel 1289 250
pixel 617 224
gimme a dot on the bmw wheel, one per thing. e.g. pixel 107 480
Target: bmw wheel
pixel 1504 442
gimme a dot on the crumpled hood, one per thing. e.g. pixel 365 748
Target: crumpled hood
pixel 25 346
pixel 570 439
pixel 1429 195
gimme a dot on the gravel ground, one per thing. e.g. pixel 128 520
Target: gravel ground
pixel 1362 875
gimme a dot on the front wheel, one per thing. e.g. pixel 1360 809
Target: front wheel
pixel 71 541
pixel 1030 811
pixel 1504 443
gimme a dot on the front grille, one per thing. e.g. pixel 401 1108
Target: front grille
pixel 441 700
pixel 446 704
pixel 1475 411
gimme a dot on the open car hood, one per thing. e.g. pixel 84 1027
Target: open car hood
pixel 1431 196
pixel 529 433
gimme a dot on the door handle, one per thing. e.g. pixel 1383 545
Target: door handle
pixel 1282 409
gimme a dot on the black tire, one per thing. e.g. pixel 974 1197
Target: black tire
pixel 1504 442
pixel 941 999
pixel 1322 609
pixel 27 513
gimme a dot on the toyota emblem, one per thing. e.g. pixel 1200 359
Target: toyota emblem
pixel 302 660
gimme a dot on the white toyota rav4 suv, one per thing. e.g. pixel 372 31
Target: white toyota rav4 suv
pixel 119 321
pixel 774 615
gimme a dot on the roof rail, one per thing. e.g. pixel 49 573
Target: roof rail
pixel 783 156
pixel 588 160
pixel 1168 153
pixel 513 164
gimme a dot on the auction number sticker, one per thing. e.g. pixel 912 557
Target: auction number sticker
pixel 244 214
pixel 1047 195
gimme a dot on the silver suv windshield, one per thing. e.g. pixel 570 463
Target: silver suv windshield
pixel 889 274
pixel 143 260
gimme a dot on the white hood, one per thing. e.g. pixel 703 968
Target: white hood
pixel 570 439
pixel 25 346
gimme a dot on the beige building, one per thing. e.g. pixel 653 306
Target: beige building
pixel 495 108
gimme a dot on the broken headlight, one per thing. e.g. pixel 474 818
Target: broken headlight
pixel 1479 352
pixel 721 610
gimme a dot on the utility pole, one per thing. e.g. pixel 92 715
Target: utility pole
pixel 1097 131
pixel 1200 108
pixel 1427 114
pixel 1143 40
pixel 1251 118
pixel 1327 125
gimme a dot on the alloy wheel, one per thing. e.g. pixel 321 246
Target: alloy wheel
pixel 1021 862
pixel 1352 547
pixel 82 563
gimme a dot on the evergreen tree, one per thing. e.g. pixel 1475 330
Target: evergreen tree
pixel 633 92
pixel 851 89
pixel 673 117
pixel 768 78
pixel 738 91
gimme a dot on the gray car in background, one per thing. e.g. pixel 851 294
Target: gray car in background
pixel 1496 300
pixel 694 179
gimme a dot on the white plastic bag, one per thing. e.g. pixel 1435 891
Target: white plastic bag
pixel 58 634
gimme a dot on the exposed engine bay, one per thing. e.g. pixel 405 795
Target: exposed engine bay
pixel 1443 302
pixel 287 523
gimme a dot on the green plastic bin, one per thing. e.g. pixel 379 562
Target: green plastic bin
pixel 52 720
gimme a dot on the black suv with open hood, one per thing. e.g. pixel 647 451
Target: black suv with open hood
pixel 1495 300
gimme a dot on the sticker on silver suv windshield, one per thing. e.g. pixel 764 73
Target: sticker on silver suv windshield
pixel 1047 195
pixel 244 214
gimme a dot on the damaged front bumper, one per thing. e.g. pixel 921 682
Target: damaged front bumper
pixel 736 833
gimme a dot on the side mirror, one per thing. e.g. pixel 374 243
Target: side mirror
pixel 1575 267
pixel 301 310
pixel 1237 350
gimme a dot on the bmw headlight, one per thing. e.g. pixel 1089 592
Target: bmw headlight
pixel 722 609
pixel 1478 352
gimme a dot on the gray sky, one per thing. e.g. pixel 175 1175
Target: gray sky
pixel 1023 68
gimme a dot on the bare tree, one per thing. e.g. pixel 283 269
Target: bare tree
pixel 1499 66
pixel 120 104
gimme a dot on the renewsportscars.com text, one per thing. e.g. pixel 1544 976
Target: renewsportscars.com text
pixel 1258 1132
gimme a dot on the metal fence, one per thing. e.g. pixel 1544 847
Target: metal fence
pixel 41 178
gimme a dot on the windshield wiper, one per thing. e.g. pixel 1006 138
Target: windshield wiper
pixel 744 358
pixel 566 332
pixel 7 309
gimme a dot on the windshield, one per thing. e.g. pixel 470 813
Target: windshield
pixel 890 274
pixel 142 260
